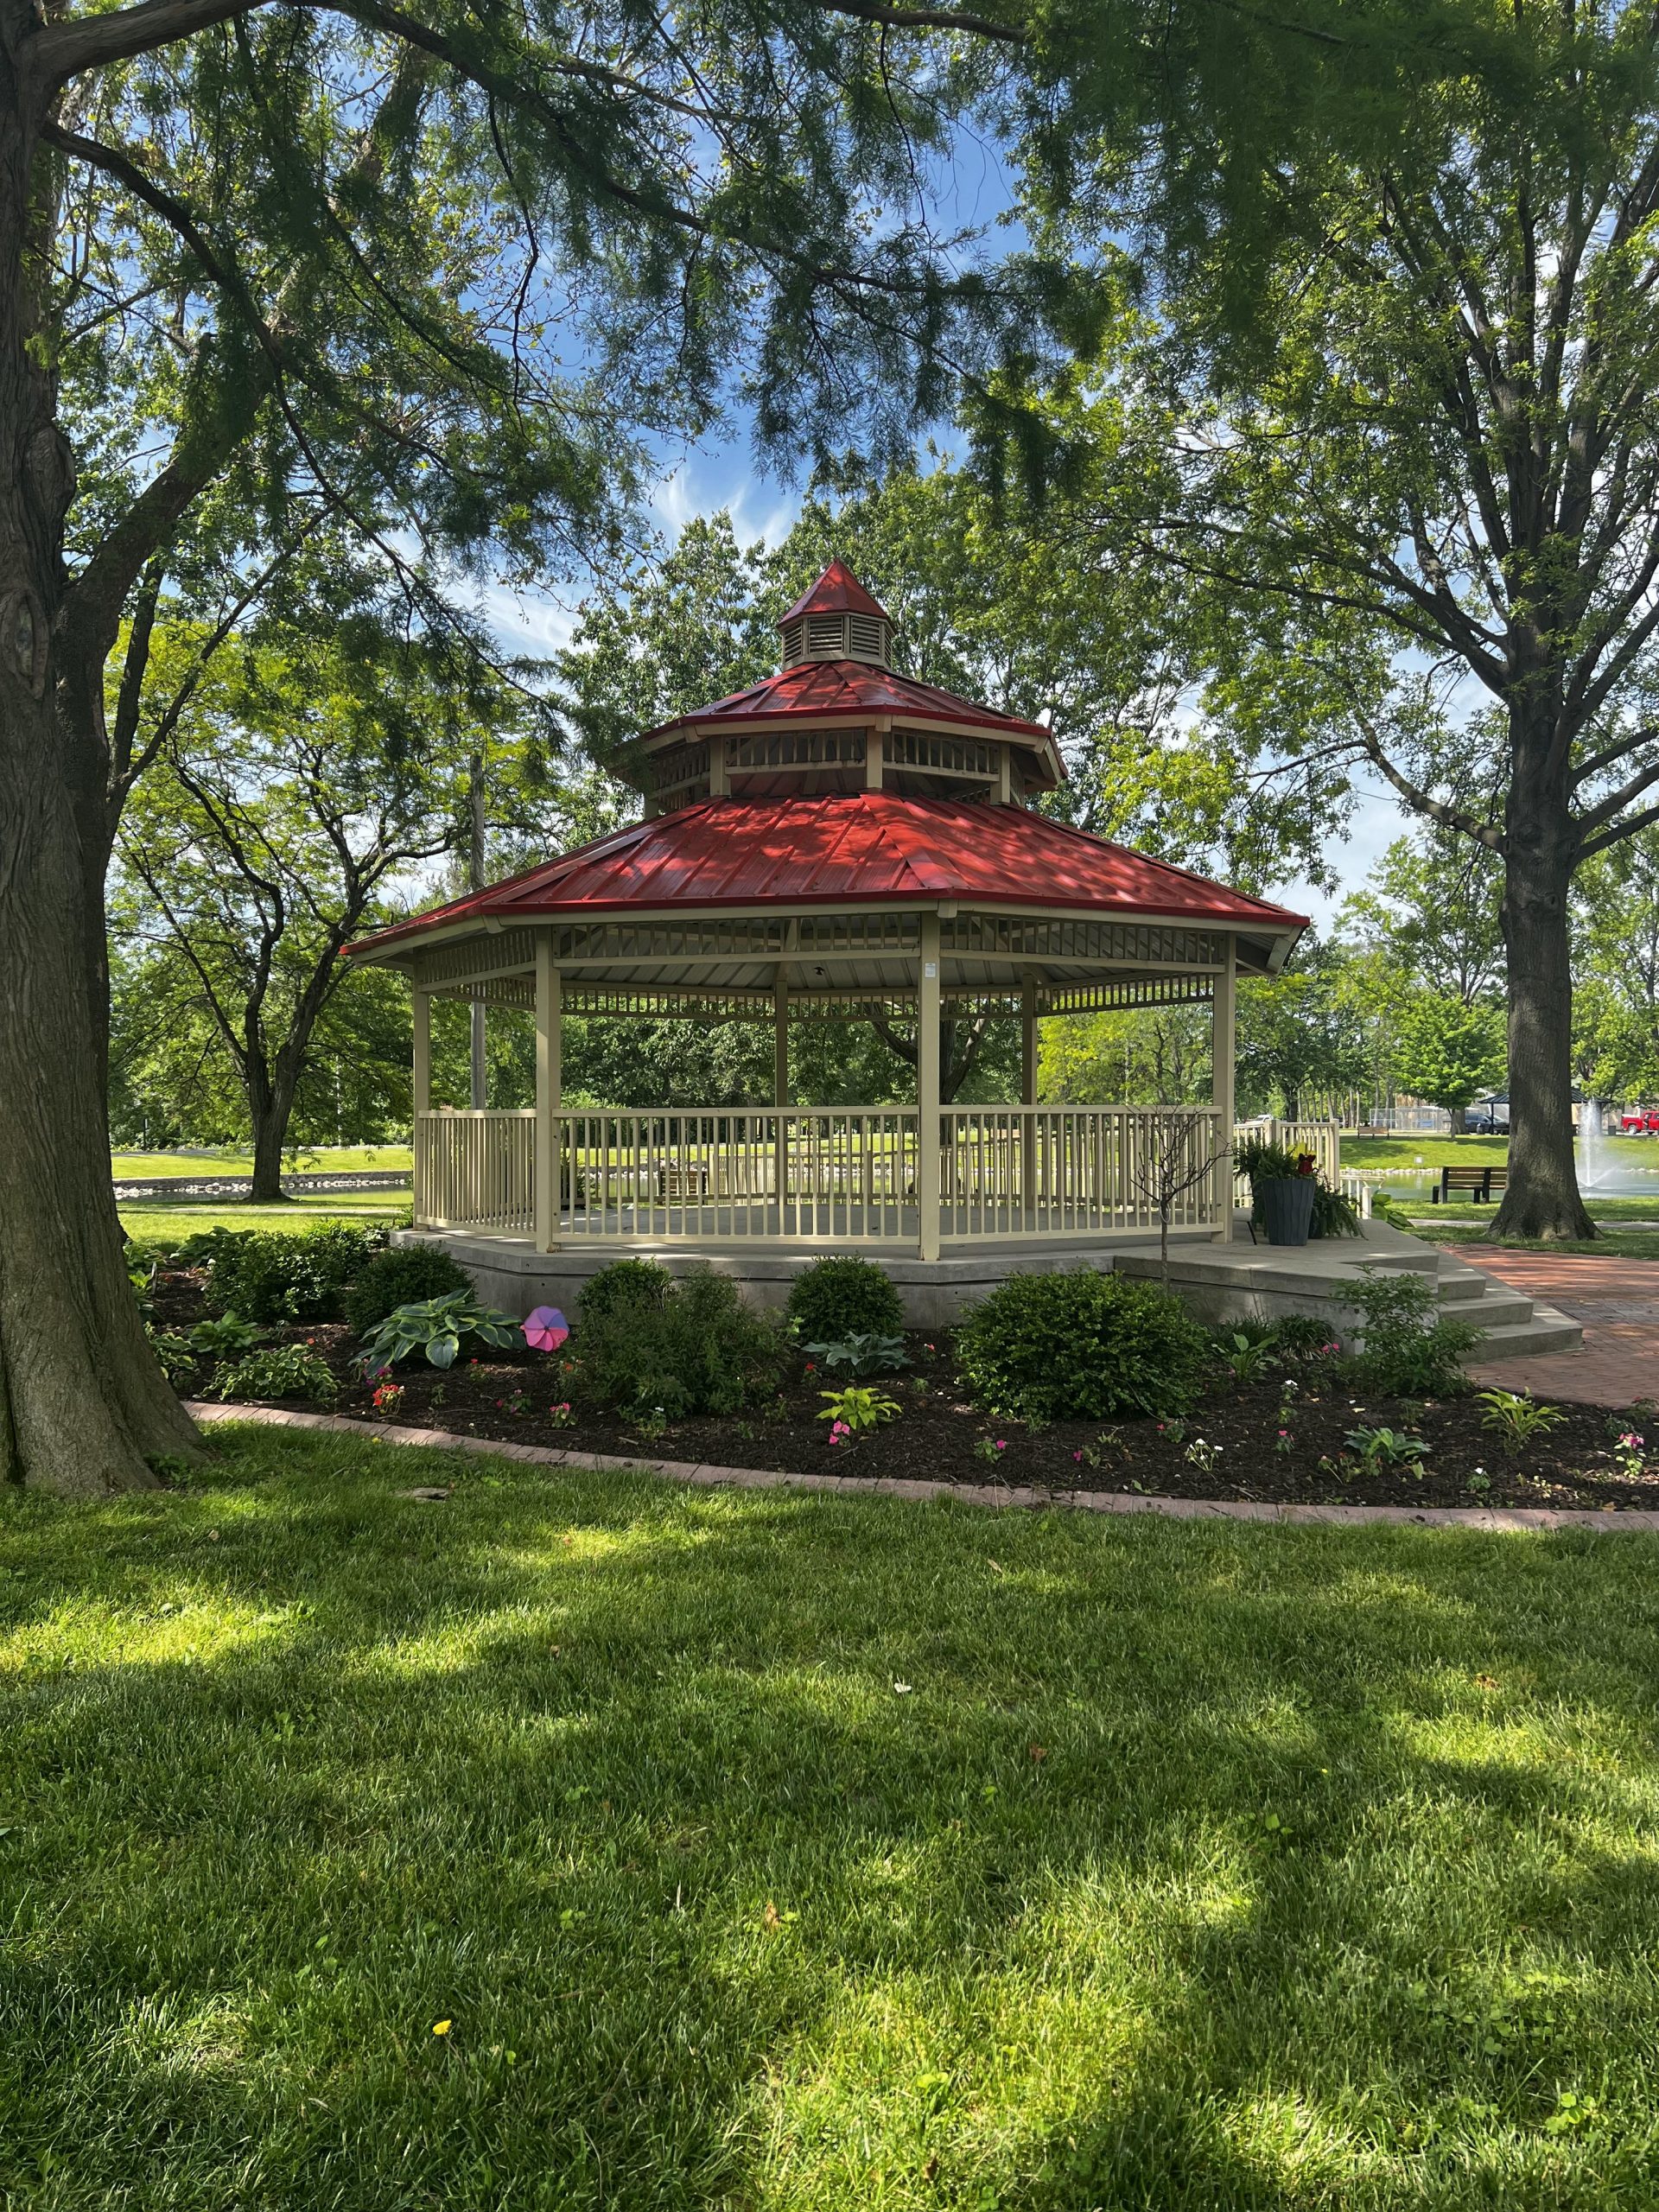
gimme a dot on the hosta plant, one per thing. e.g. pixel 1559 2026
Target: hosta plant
pixel 280 1372
pixel 173 1352
pixel 868 1353
pixel 1380 1447
pixel 436 1328
pixel 227 1335
pixel 856 1408
pixel 1517 1418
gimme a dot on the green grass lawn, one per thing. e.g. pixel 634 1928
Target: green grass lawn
pixel 765 1850
pixel 1621 1238
pixel 321 1159
pixel 170 1221
pixel 1611 1245
pixel 1406 1152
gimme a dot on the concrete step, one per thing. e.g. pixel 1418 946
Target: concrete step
pixel 1511 1325
pixel 1504 1309
pixel 1548 1331
pixel 1458 1282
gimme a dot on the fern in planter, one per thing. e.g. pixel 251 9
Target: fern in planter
pixel 1334 1215
pixel 1260 1162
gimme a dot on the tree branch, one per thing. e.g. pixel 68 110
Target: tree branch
pixel 1643 780
pixel 1618 835
pixel 926 19
pixel 65 49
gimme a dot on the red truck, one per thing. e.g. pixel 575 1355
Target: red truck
pixel 1640 1123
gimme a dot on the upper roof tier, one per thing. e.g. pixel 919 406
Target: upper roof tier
pixel 839 717
pixel 858 849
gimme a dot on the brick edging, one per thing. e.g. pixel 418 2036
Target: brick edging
pixel 1491 1519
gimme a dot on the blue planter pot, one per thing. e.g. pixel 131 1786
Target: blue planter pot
pixel 1287 1208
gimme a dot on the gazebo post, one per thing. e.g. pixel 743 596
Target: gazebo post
pixel 420 1021
pixel 1223 1048
pixel 780 1084
pixel 927 1090
pixel 544 1170
pixel 1028 1091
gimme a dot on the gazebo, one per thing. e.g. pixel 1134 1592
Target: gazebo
pixel 839 842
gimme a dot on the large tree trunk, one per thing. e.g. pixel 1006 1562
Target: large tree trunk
pixel 1542 1199
pixel 270 1107
pixel 84 1408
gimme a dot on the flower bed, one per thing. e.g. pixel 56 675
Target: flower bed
pixel 1285 1434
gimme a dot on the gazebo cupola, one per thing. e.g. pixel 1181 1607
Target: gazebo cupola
pixel 839 717
pixel 837 619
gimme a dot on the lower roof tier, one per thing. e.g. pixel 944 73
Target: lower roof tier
pixel 865 850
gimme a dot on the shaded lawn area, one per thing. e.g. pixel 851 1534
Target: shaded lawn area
pixel 165 1222
pixel 1610 1211
pixel 770 1850
pixel 1611 1243
pixel 237 1159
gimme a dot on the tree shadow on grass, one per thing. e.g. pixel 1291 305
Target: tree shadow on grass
pixel 772 1850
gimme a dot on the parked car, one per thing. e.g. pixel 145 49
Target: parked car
pixel 1640 1121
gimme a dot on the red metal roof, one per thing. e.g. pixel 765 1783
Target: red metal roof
pixel 854 847
pixel 836 592
pixel 826 689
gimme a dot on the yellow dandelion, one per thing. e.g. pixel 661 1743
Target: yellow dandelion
pixel 441 2027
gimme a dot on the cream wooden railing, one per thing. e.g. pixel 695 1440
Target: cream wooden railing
pixel 797 1175
pixel 814 1175
pixel 473 1171
pixel 1014 1171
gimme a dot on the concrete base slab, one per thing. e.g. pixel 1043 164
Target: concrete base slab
pixel 511 1274
pixel 1220 1283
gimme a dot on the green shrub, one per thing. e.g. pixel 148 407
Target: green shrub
pixel 284 1371
pixel 267 1274
pixel 1303 1336
pixel 401 1277
pixel 698 1349
pixel 625 1282
pixel 1080 1346
pixel 1410 1348
pixel 843 1296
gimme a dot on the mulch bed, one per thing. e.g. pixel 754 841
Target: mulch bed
pixel 1228 1446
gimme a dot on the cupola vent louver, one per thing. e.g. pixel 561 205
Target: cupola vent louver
pixel 837 619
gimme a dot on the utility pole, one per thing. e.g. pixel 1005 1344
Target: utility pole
pixel 480 1077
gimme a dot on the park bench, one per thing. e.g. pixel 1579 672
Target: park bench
pixel 1483 1184
pixel 676 1185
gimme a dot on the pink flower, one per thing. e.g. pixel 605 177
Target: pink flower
pixel 1077 1456
pixel 546 1329
pixel 1001 1442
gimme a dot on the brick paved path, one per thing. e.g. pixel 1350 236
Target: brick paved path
pixel 1617 1302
